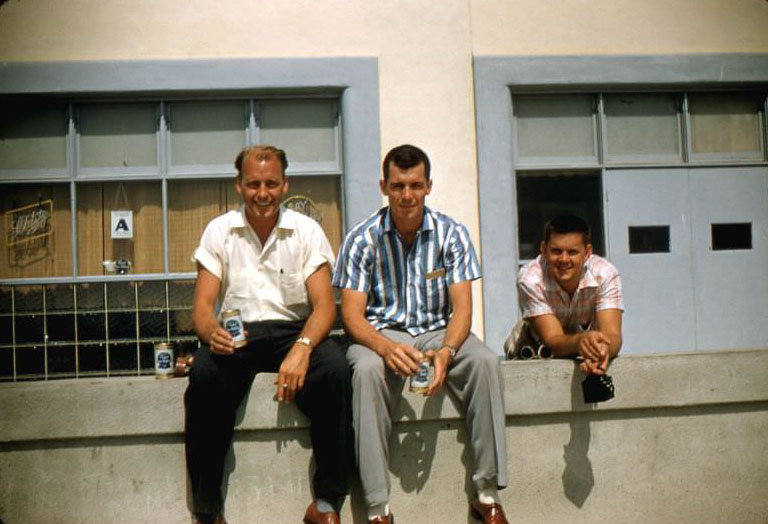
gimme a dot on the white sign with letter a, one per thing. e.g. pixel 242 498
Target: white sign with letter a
pixel 122 224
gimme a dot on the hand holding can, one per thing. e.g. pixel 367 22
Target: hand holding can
pixel 419 382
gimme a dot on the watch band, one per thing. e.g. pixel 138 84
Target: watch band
pixel 451 349
pixel 306 341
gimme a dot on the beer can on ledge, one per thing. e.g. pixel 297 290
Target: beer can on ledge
pixel 233 323
pixel 420 380
pixel 164 359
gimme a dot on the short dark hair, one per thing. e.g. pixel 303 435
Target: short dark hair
pixel 263 152
pixel 563 224
pixel 405 156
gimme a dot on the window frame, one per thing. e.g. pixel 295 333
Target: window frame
pixel 353 81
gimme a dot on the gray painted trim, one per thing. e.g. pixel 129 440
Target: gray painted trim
pixel 496 76
pixel 355 78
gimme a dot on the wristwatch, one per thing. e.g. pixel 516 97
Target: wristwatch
pixel 306 341
pixel 452 350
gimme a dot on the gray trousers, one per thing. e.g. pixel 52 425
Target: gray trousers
pixel 474 377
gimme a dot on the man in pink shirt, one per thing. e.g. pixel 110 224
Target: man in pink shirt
pixel 571 299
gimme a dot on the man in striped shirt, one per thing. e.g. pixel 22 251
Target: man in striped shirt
pixel 405 277
pixel 570 298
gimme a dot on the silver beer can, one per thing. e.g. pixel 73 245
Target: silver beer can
pixel 232 321
pixel 420 380
pixel 164 360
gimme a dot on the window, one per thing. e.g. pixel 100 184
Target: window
pixel 726 126
pixel 542 195
pixel 558 136
pixel 68 168
pixel 642 127
pixel 731 236
pixel 648 239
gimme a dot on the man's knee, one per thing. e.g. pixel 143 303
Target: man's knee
pixel 204 376
pixel 368 369
pixel 334 364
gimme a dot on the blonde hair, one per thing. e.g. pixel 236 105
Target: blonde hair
pixel 262 152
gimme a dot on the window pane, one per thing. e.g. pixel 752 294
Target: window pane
pixel 95 203
pixel 648 239
pixel 32 136
pixel 320 198
pixel 181 294
pixel 303 128
pixel 642 125
pixel 207 132
pixel 731 236
pixel 6 364
pixel 725 124
pixel 61 361
pixel 118 135
pixel 555 126
pixel 543 195
pixel 191 205
pixel 36 228
pixel 30 363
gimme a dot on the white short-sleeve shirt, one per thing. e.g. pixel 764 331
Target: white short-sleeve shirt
pixel 264 282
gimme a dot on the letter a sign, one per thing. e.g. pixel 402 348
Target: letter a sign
pixel 122 224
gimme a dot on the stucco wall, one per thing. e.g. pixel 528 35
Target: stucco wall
pixel 683 441
pixel 424 50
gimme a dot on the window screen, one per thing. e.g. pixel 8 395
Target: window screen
pixel 207 132
pixel 643 126
pixel 32 136
pixel 552 126
pixel 725 125
pixel 118 135
pixel 305 129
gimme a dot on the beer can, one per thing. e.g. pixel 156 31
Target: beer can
pixel 420 380
pixel 233 323
pixel 164 359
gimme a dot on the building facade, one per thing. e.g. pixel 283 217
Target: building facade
pixel 119 123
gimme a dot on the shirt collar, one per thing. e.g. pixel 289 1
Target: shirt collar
pixel 427 224
pixel 587 279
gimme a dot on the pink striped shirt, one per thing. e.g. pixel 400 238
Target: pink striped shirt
pixel 599 288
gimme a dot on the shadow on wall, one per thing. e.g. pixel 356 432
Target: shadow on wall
pixel 578 478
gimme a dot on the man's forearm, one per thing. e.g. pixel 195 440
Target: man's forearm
pixel 457 330
pixel 563 345
pixel 363 333
pixel 319 323
pixel 204 323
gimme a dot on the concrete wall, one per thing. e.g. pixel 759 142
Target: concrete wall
pixel 683 441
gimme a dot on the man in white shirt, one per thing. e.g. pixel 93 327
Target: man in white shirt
pixel 274 265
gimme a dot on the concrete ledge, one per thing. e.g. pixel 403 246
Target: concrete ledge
pixel 684 440
pixel 112 407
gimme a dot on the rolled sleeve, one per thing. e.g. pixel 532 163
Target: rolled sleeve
pixel 319 253
pixel 208 253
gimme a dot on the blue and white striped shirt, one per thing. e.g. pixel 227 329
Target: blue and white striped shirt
pixel 407 287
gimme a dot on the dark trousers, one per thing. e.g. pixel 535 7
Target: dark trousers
pixel 217 386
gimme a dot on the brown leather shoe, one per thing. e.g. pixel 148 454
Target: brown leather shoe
pixel 389 519
pixel 489 513
pixel 314 516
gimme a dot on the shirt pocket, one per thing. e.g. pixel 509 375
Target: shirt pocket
pixel 292 288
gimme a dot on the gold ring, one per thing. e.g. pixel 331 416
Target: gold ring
pixel 285 386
